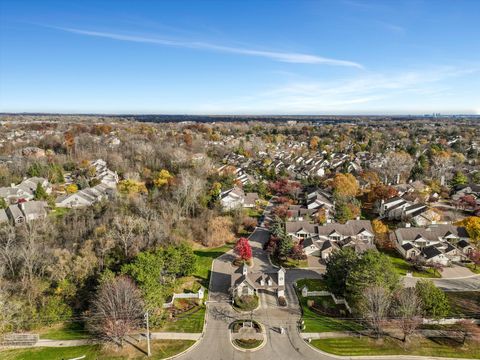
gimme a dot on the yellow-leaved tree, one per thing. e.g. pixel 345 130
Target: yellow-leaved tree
pixel 163 178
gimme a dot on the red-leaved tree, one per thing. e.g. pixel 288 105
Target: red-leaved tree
pixel 243 249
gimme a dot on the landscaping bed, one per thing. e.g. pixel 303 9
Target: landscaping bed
pixel 236 325
pixel 246 302
pixel 248 343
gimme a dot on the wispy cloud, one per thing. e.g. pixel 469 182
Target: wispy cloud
pixel 288 57
pixel 368 93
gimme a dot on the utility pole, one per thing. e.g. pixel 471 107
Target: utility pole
pixel 149 353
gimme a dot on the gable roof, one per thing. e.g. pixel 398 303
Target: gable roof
pixel 430 252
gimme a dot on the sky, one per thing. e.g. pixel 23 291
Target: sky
pixel 240 56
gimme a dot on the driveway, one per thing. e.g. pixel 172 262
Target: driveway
pixel 456 271
pixel 315 262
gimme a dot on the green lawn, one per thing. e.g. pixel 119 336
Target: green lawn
pixel 67 331
pixel 289 262
pixel 312 284
pixel 402 266
pixel 190 321
pixel 161 349
pixel 474 269
pixel 315 322
pixel 353 346
pixel 205 258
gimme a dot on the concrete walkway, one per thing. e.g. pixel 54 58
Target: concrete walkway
pixel 154 336
pixel 175 336
pixel 63 343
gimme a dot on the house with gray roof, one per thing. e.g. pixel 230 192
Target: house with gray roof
pixel 244 282
pixel 26 211
pixel 357 234
pixel 450 240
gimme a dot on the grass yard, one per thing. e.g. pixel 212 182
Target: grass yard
pixel 289 263
pixel 66 331
pixel 474 269
pixel 161 349
pixel 190 321
pixel 402 266
pixel 354 346
pixel 205 258
pixel 315 322
pixel 464 303
pixel 312 284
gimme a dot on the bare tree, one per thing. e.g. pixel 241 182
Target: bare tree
pixel 116 311
pixel 8 248
pixel 187 192
pixel 125 231
pixel 375 306
pixel 397 163
pixel 408 310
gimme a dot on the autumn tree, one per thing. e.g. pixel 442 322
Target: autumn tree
pixel 116 311
pixel 345 185
pixel 131 187
pixel 163 178
pixel 71 188
pixel 219 231
pixel 243 249
pixel 381 233
pixel 314 142
pixel 472 225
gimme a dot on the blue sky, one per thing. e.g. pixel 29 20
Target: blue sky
pixel 240 57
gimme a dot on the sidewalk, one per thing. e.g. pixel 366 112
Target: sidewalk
pixel 154 336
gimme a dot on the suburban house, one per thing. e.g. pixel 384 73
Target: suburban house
pixel 400 209
pixel 85 197
pixel 463 190
pixel 236 197
pixel 440 243
pixel 26 211
pixel 103 174
pixel 319 199
pixel 244 282
pixel 357 234
pixel 24 191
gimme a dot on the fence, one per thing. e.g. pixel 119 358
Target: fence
pixel 198 295
pixel 337 301
pixel 13 339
